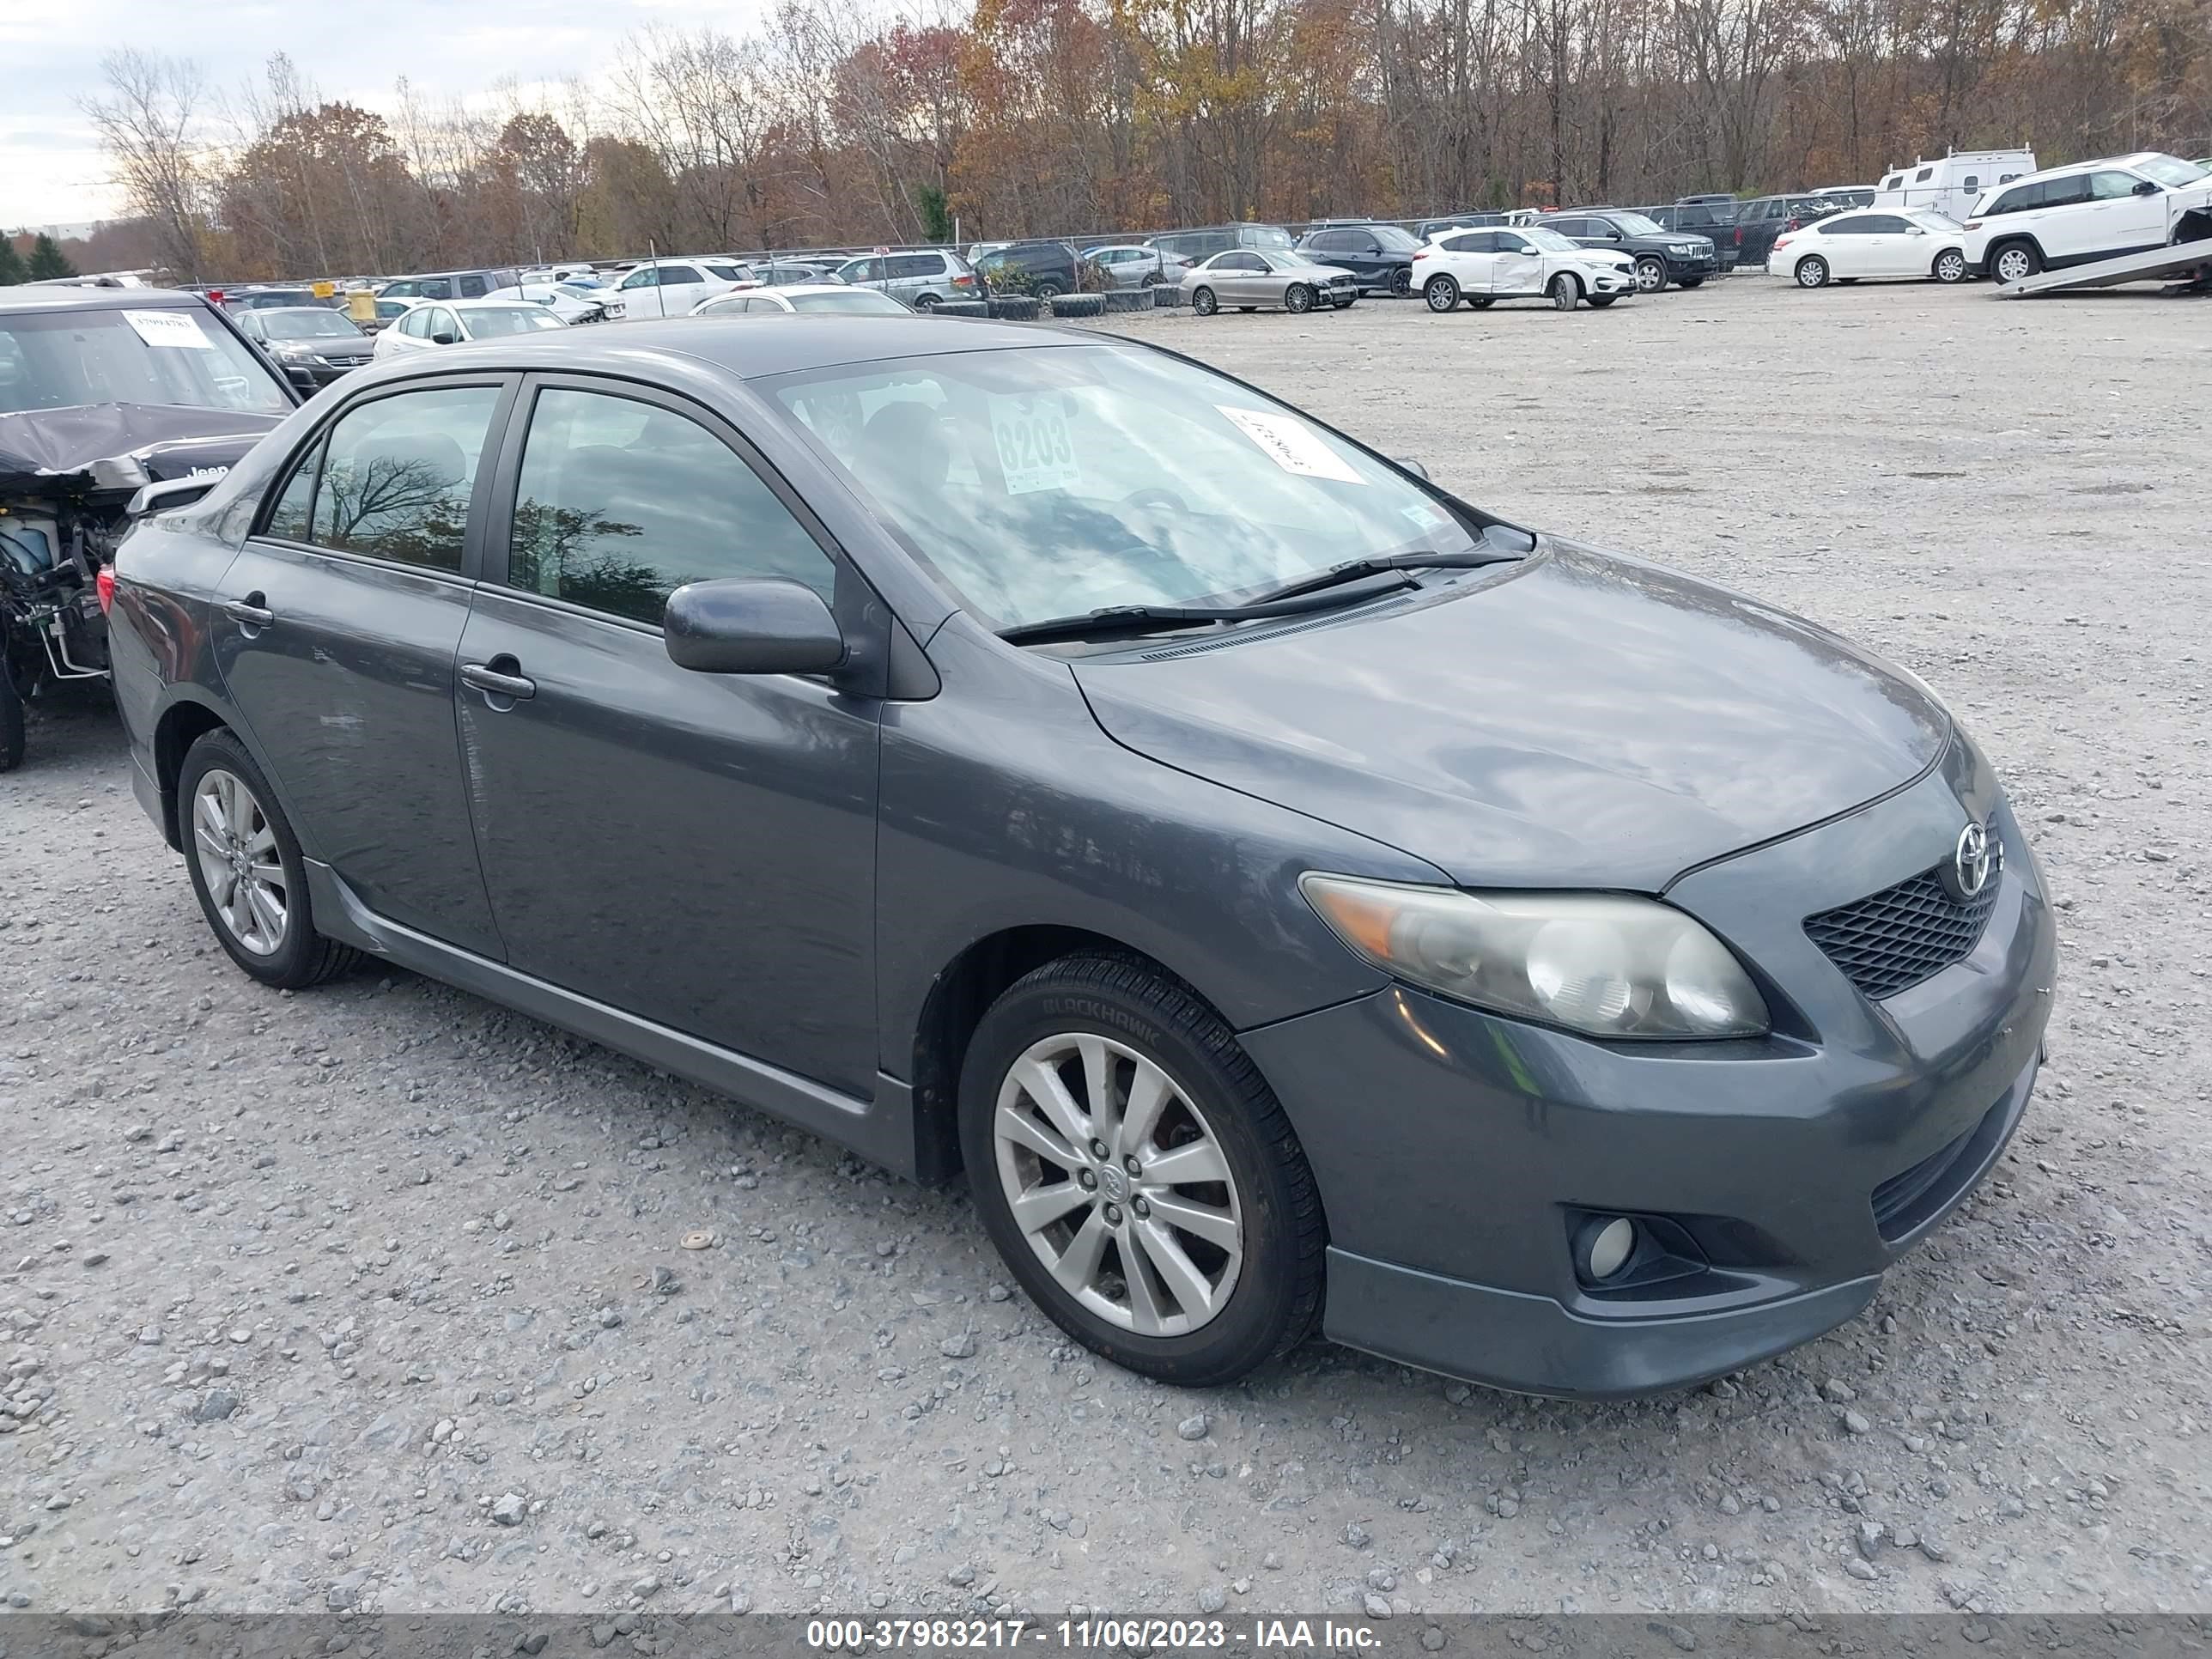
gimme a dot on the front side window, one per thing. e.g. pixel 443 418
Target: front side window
pixel 1885 224
pixel 1637 225
pixel 1044 480
pixel 393 478
pixel 643 277
pixel 2111 186
pixel 621 502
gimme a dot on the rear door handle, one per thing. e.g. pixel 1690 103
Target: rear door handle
pixel 492 683
pixel 249 613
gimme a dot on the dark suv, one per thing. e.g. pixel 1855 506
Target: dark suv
pixel 1044 269
pixel 1380 257
pixel 1765 217
pixel 1714 221
pixel 1662 256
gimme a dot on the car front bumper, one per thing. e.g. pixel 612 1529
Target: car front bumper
pixel 1456 1151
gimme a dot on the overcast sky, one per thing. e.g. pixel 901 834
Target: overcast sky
pixel 51 168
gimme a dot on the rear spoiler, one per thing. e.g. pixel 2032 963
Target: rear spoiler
pixel 169 494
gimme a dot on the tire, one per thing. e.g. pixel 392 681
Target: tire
pixel 2015 261
pixel 928 302
pixel 964 308
pixel 1298 299
pixel 1482 301
pixel 1689 281
pixel 1652 274
pixel 11 715
pixel 1566 292
pixel 291 956
pixel 1401 281
pixel 1950 267
pixel 1811 271
pixel 1256 1289
pixel 1048 291
pixel 1014 308
pixel 1441 293
pixel 1203 302
pixel 1599 301
pixel 1079 305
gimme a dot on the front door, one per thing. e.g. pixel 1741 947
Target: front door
pixel 1519 267
pixel 696 849
pixel 337 627
pixel 2126 222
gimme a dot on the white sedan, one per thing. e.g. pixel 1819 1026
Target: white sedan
pixel 1914 242
pixel 800 296
pixel 450 322
pixel 1519 262
pixel 570 303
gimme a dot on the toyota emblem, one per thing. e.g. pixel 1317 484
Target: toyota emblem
pixel 1973 862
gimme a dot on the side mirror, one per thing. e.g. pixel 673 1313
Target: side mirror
pixel 1408 464
pixel 2146 187
pixel 752 625
pixel 301 376
pixel 1916 230
pixel 441 339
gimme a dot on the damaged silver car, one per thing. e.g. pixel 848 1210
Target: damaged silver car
pixel 112 401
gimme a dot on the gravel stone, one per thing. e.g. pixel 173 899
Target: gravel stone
pixel 1192 1428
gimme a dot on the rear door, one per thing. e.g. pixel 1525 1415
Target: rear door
pixel 696 849
pixel 336 632
pixel 2066 220
pixel 1472 260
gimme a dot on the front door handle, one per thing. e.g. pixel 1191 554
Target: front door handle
pixel 250 611
pixel 490 680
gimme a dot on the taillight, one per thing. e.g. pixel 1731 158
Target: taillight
pixel 1792 225
pixel 964 282
pixel 1782 241
pixel 104 585
pixel 1421 253
pixel 1738 235
pixel 214 296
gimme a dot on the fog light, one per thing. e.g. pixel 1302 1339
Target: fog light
pixel 1606 1247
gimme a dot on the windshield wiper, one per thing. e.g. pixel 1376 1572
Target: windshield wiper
pixel 1151 618
pixel 1353 570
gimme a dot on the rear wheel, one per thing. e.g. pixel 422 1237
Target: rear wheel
pixel 1651 273
pixel 1047 289
pixel 1203 302
pixel 2015 261
pixel 1950 266
pixel 1401 281
pixel 1565 292
pixel 926 302
pixel 1297 297
pixel 1812 271
pixel 1138 1175
pixel 1441 292
pixel 246 870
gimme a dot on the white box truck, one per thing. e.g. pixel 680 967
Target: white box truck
pixel 1954 184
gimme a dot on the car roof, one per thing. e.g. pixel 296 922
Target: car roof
pixel 821 340
pixel 28 297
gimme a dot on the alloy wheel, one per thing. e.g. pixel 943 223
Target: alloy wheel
pixel 2014 264
pixel 1650 275
pixel 1951 266
pixel 236 846
pixel 1119 1184
pixel 1813 272
pixel 1203 303
pixel 1441 293
pixel 1298 297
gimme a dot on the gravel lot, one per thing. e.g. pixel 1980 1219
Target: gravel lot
pixel 377 1297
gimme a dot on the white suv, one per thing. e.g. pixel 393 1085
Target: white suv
pixel 1532 262
pixel 2075 214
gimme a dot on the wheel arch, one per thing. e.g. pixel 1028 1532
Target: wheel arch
pixel 957 999
pixel 2010 239
pixel 181 725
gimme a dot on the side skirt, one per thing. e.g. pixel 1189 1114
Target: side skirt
pixel 881 1130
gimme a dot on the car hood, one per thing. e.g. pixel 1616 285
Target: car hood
pixel 338 347
pixel 1576 719
pixel 117 447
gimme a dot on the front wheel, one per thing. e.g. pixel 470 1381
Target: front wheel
pixel 1401 281
pixel 1203 303
pixel 1650 273
pixel 926 303
pixel 1950 267
pixel 246 870
pixel 1441 293
pixel 1138 1175
pixel 1812 271
pixel 1565 291
pixel 1048 291
pixel 1297 297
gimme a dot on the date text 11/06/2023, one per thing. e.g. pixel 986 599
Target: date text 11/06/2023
pixel 1078 1635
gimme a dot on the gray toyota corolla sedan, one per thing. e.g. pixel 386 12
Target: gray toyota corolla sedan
pixel 1293 895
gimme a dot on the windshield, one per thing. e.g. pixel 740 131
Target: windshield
pixel 1636 224
pixel 492 321
pixel 730 273
pixel 2171 170
pixel 1550 241
pixel 1041 481
pixel 1395 241
pixel 58 360
pixel 1267 236
pixel 860 299
pixel 578 290
pixel 306 325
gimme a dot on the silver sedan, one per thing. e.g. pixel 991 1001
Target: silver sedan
pixel 1248 278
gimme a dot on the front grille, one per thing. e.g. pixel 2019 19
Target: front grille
pixel 1890 941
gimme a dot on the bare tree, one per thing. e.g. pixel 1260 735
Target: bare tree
pixel 149 125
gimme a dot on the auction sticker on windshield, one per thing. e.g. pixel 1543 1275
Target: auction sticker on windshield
pixel 169 328
pixel 1292 444
pixel 1035 449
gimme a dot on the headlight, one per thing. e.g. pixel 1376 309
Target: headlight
pixel 1592 961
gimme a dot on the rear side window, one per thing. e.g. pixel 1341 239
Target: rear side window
pixel 2065 192
pixel 913 265
pixel 621 502
pixel 671 275
pixel 393 479
pixel 1858 225
pixel 472 287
